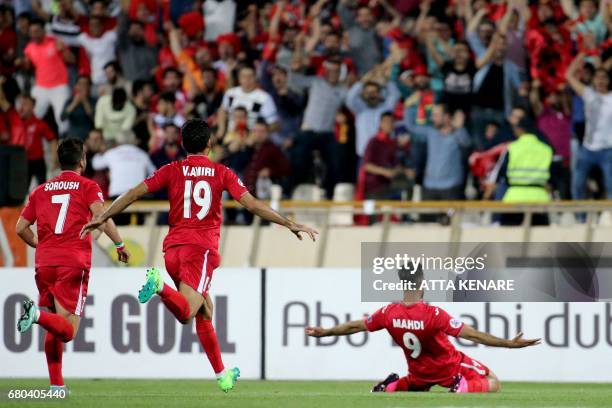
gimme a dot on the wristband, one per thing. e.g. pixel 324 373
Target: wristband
pixel 119 246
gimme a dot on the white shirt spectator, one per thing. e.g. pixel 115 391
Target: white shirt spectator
pixel 101 51
pixel 258 103
pixel 598 113
pixel 219 17
pixel 127 164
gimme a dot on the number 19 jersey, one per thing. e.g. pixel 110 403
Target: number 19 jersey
pixel 60 207
pixel 195 186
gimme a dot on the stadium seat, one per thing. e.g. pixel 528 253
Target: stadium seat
pixel 276 192
pixel 310 192
pixel 307 192
pixel 342 215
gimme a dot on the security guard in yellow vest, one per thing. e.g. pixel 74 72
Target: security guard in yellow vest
pixel 527 171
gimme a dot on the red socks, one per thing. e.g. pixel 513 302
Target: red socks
pixel 56 325
pixel 473 385
pixel 208 339
pixel 175 302
pixel 399 385
pixel 54 348
pixel 59 331
pixel 478 385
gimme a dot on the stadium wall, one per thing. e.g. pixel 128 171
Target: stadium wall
pixel 260 316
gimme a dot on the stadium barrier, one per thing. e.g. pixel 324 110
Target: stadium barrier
pixel 339 240
pixel 260 316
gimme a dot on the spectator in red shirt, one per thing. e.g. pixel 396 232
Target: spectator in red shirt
pixel 382 163
pixel 267 160
pixel 35 131
pixel 8 40
pixel 554 120
pixel 10 131
pixel 48 57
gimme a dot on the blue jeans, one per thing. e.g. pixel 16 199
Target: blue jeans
pixel 587 159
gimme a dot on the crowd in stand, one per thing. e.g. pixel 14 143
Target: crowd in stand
pixel 385 94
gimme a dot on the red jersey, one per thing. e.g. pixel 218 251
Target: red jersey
pixel 422 331
pixel 194 187
pixel 50 69
pixel 35 130
pixel 60 208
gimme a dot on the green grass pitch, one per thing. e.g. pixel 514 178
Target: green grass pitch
pixel 319 394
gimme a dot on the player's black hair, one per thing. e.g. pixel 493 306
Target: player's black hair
pixel 411 274
pixel 196 134
pixel 70 153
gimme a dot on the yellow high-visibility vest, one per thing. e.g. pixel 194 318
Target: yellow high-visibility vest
pixel 528 170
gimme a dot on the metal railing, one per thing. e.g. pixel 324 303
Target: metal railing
pixel 324 213
pixel 457 211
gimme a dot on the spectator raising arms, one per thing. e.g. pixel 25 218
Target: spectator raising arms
pixel 328 82
pixel 596 150
pixel 100 47
pixel 257 102
pixel 368 99
pixel 446 141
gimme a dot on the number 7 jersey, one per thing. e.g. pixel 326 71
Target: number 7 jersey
pixel 195 186
pixel 60 207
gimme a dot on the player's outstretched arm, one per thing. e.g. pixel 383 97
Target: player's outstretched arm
pixel 110 229
pixel 120 204
pixel 343 329
pixel 25 232
pixel 264 211
pixel 469 333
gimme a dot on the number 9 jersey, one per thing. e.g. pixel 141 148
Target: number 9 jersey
pixel 60 207
pixel 195 186
pixel 422 331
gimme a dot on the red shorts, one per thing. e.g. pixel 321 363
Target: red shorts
pixel 468 368
pixel 471 369
pixel 67 285
pixel 192 265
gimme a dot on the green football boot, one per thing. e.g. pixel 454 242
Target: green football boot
pixel 153 285
pixel 27 319
pixel 227 381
